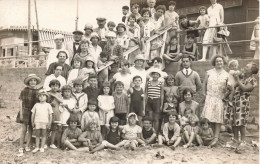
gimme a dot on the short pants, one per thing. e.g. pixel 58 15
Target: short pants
pixel 41 125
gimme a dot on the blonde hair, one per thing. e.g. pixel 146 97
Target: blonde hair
pixel 233 62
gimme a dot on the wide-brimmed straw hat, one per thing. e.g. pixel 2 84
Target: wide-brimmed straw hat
pixel 155 70
pixel 30 77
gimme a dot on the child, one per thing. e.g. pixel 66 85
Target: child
pixel 173 51
pixel 190 48
pixel 169 106
pixel 73 74
pixel 28 97
pixel 136 95
pixel 125 11
pixel 184 119
pixel 205 135
pixel 191 131
pixel 143 34
pixel 135 11
pixel 123 76
pixel 121 102
pixel 171 17
pixel 89 69
pixel 154 97
pixel 170 132
pixel 132 132
pixel 103 74
pixel 170 88
pixel 157 63
pixel 148 132
pixel 111 25
pixel 71 134
pixel 187 24
pixel 203 21
pixel 90 116
pixel 231 82
pixel 106 105
pixel 112 138
pixel 80 97
pixel 122 38
pixel 92 90
pixel 41 119
pixel 55 99
pixel 91 138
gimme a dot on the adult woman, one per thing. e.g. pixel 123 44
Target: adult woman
pixel 238 114
pixel 94 48
pixel 188 103
pixel 122 38
pixel 216 17
pixel 213 87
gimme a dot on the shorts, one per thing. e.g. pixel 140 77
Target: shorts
pixel 153 108
pixel 54 126
pixel 41 125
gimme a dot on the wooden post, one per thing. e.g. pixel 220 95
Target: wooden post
pixel 77 17
pixel 29 29
pixel 37 23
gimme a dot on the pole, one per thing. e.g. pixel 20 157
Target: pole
pixel 37 24
pixel 77 17
pixel 29 29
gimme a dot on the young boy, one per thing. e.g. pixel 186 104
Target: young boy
pixel 80 97
pixel 125 11
pixel 111 25
pixel 121 102
pixel 92 90
pixel 41 119
pixel 148 132
pixel 143 34
pixel 103 74
pixel 90 115
pixel 205 135
pixel 171 132
pixel 136 95
pixel 91 138
pixel 132 133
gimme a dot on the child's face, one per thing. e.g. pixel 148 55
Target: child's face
pixel 190 40
pixel 171 8
pixel 141 23
pixel 172 119
pixel 94 40
pixel 103 59
pixel 155 76
pixel 186 63
pixel 67 93
pixel 170 82
pixel 111 28
pixel 184 21
pixel 92 107
pixel 233 67
pixel 135 10
pixel 114 125
pixel 55 87
pixel 202 11
pixel 139 63
pixel 124 68
pixel 119 88
pixel 84 47
pixel 90 64
pixel 146 15
pixel 73 125
pixel 132 20
pixel 174 100
pixel 32 83
pixel 169 99
pixel 76 64
pixel 42 97
pixel 92 126
pixel 174 41
pixel 78 88
pixel 156 64
pixel 92 82
pixel 124 11
pixel 188 96
pixel 106 90
pixel 187 113
pixel 132 120
pixel 120 29
pixel 159 12
pixel 192 121
pixel 137 82
pixel 205 126
pixel 58 70
pixel 147 124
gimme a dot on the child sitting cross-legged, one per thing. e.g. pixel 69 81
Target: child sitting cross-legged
pixel 171 132
pixel 148 132
pixel 191 131
pixel 132 133
pixel 206 135
pixel 90 115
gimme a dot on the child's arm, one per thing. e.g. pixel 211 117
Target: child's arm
pixel 165 106
pixel 162 96
pixel 21 109
pixel 176 133
pixel 33 115
pixel 152 138
pixel 82 137
pixel 50 121
pixel 82 123
pixel 138 139
pixel 165 132
pixel 204 85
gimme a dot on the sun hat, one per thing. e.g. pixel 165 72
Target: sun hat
pixel 58 36
pixel 32 76
pixel 132 114
pixel 120 25
pixel 88 26
pixel 111 34
pixel 155 70
pixel 77 32
pixel 139 57
pixel 42 92
pixel 89 58
pixel 94 34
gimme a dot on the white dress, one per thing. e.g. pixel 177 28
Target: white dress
pixel 65 114
pixel 214 19
pixel 214 107
pixel 106 102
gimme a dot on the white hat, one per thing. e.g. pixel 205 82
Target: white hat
pixel 132 114
pixel 94 34
pixel 58 36
pixel 153 70
pixel 88 26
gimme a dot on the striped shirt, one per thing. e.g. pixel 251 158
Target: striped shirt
pixel 121 103
pixel 154 91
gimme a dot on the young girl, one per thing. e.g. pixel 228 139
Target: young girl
pixel 173 51
pixel 169 106
pixel 84 46
pixel 89 69
pixel 132 132
pixel 121 102
pixel 148 132
pixel 122 38
pixel 103 74
pixel 41 120
pixel 190 47
pixel 202 21
pixel 90 116
pixel 28 97
pixel 191 131
pixel 154 97
pixel 106 105
pixel 184 120
pixel 169 88
pixel 111 25
pixel 171 132
pixel 205 135
pixel 73 74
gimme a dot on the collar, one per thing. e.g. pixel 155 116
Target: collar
pixel 189 70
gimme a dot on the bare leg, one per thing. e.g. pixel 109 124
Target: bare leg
pixel 44 131
pixel 59 136
pixel 132 145
pixel 235 132
pixel 100 147
pixel 156 125
pixel 69 145
pixel 160 139
pixel 29 137
pixel 204 53
pixel 23 133
pixel 177 142
pixel 53 136
pixel 186 137
pixel 37 140
pixel 199 140
pixel 243 133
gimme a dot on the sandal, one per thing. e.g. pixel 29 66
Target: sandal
pixel 27 149
pixel 20 150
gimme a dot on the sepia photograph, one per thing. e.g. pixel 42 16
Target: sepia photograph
pixel 129 81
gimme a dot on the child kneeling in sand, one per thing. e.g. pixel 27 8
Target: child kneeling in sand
pixel 91 138
pixel 206 135
pixel 132 132
pixel 171 132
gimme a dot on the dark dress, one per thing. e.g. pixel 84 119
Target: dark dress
pixel 113 137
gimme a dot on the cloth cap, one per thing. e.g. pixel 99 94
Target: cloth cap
pixel 101 19
pixel 77 32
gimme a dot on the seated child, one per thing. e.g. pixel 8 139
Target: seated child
pixel 148 132
pixel 184 120
pixel 91 138
pixel 205 135
pixel 132 133
pixel 90 116
pixel 190 48
pixel 89 69
pixel 71 134
pixel 173 51
pixel 41 119
pixel 191 131
pixel 169 106
pixel 171 132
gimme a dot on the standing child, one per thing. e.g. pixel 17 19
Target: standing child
pixel 143 35
pixel 73 74
pixel 170 132
pixel 121 102
pixel 137 98
pixel 190 48
pixel 154 97
pixel 90 116
pixel 41 120
pixel 28 97
pixel 203 21
pixel 103 74
pixel 132 133
pixel 205 135
pixel 148 132
pixel 191 131
pixel 170 88
pixel 92 90
pixel 169 106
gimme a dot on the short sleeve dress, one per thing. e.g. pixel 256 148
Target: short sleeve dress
pixel 107 103
pixel 214 107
